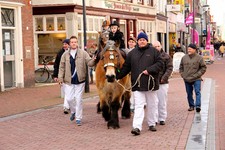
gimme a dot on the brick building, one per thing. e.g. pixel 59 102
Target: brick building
pixel 16 44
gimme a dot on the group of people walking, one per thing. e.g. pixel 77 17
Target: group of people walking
pixel 143 59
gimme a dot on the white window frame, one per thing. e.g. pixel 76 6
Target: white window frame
pixel 44 17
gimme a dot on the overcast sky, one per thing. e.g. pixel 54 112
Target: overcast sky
pixel 217 9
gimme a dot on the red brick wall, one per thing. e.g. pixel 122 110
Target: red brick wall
pixel 28 41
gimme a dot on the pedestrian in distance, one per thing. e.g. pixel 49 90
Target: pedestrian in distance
pixel 164 75
pixel 132 42
pixel 72 72
pixel 145 82
pixel 65 47
pixel 192 67
pixel 222 49
pixel 91 52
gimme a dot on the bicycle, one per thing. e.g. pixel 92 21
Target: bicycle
pixel 42 75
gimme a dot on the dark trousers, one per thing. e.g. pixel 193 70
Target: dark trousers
pixel 196 85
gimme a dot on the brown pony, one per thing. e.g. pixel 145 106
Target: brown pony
pixel 111 93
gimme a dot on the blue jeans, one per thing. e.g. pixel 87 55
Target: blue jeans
pixel 189 89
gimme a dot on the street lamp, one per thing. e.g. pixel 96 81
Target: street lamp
pixel 205 8
pixel 87 89
pixel 193 25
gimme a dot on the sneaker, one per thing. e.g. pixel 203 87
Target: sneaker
pixel 162 122
pixel 66 111
pixel 72 117
pixel 78 122
pixel 198 109
pixel 135 131
pixel 191 109
pixel 152 128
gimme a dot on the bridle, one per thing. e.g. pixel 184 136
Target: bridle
pixel 111 48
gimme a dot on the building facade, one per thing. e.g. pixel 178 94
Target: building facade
pixel 16 43
pixel 55 21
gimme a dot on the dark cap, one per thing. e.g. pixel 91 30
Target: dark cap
pixel 114 23
pixel 133 39
pixel 142 35
pixel 67 41
pixel 192 46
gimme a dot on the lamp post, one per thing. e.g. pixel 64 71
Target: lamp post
pixel 193 25
pixel 187 26
pixel 206 20
pixel 87 89
pixel 201 33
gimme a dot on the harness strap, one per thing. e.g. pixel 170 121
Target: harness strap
pixel 109 64
pixel 150 77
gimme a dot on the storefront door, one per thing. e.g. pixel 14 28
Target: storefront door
pixel 8 58
pixel 8 79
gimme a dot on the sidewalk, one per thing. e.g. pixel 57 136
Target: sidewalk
pixel 44 95
pixel 50 129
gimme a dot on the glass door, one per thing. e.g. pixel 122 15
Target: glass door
pixel 8 58
pixel 8 47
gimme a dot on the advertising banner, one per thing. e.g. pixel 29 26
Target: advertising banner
pixel 189 19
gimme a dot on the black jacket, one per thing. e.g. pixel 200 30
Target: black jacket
pixel 167 68
pixel 57 62
pixel 118 38
pixel 138 60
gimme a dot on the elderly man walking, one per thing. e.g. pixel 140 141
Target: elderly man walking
pixel 164 75
pixel 192 67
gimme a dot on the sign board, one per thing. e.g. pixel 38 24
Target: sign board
pixel 176 61
pixel 206 55
pixel 173 7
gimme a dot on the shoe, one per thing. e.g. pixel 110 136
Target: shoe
pixel 191 109
pixel 66 111
pixel 78 122
pixel 162 122
pixel 152 128
pixel 135 131
pixel 198 109
pixel 72 117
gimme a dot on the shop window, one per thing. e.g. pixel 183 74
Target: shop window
pixel 7 17
pixel 140 2
pixel 50 23
pixel 39 24
pixel 131 26
pixel 61 23
pixel 49 45
pixel 96 21
pixel 150 2
pixel 90 24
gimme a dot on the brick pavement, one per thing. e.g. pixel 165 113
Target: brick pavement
pixel 50 129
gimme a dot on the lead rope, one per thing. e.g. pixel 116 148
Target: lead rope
pixel 139 82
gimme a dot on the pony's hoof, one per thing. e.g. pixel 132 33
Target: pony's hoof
pixel 113 125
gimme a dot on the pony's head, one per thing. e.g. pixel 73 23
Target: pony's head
pixel 112 60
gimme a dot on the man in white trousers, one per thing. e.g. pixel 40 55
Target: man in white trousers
pixel 164 75
pixel 144 63
pixel 65 47
pixel 72 72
